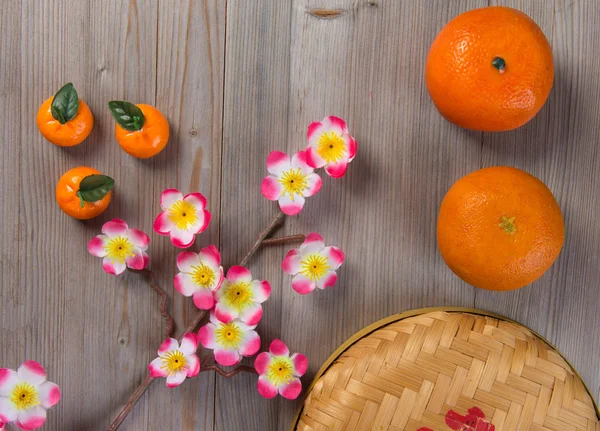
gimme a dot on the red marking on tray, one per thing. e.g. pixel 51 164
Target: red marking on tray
pixel 474 420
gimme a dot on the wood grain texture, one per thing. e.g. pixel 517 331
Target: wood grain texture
pixel 239 79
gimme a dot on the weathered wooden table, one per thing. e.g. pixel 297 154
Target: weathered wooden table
pixel 238 79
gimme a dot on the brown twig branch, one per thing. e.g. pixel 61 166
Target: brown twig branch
pixel 135 397
pixel 163 299
pixel 263 235
pixel 208 364
pixel 285 239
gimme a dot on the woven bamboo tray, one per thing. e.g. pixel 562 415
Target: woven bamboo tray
pixel 448 369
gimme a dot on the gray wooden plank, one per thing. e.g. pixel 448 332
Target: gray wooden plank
pixel 190 88
pixel 560 147
pixel 88 328
pixel 254 120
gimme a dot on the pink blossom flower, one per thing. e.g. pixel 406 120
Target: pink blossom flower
pixel 201 275
pixel 175 361
pixel 183 217
pixel 330 145
pixel 230 341
pixel 289 181
pixel 25 395
pixel 313 265
pixel 240 297
pixel 120 247
pixel 279 372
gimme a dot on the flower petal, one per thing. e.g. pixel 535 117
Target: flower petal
pixel 114 227
pixel 328 280
pixel 184 284
pixel 97 244
pixel 225 313
pixel 169 197
pixel 302 284
pixel 204 299
pixel 211 256
pixel 261 290
pixel 315 129
pixel 313 243
pixel 262 361
pixel 271 188
pixel 289 206
pixel 291 263
pixel 313 158
pixel 155 368
pixel 352 148
pixel 136 261
pixel 265 387
pixel 163 224
pixel 168 345
pixel 197 200
pixel 176 378
pixel 206 222
pixel 300 364
pixel 8 412
pixel 278 348
pixel 31 372
pixel 291 389
pixel 32 418
pixel 277 162
pixel 186 260
pixel 251 314
pixel 313 184
pixel 206 336
pixel 238 273
pixel 334 255
pixel 337 170
pixel 49 394
pixel 8 380
pixel 227 357
pixel 113 267
pixel 299 161
pixel 138 238
pixel 192 365
pixel 189 344
pixel 250 343
pixel 336 123
pixel 182 238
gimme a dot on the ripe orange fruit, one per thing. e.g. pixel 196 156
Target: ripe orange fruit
pixel 64 119
pixel 142 131
pixel 490 69
pixel 499 228
pixel 84 193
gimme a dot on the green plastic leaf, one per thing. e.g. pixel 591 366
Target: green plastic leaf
pixel 129 116
pixel 94 187
pixel 65 104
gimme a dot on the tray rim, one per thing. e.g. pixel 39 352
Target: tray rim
pixel 411 313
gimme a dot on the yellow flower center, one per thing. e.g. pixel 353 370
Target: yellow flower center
pixel 229 335
pixel 119 248
pixel 280 371
pixel 183 214
pixel 173 361
pixel 331 147
pixel 24 396
pixel 238 295
pixel 314 266
pixel 203 275
pixel 293 182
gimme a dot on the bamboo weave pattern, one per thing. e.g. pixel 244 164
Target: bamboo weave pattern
pixel 450 371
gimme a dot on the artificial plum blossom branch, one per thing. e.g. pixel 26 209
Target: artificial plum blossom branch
pixel 198 317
